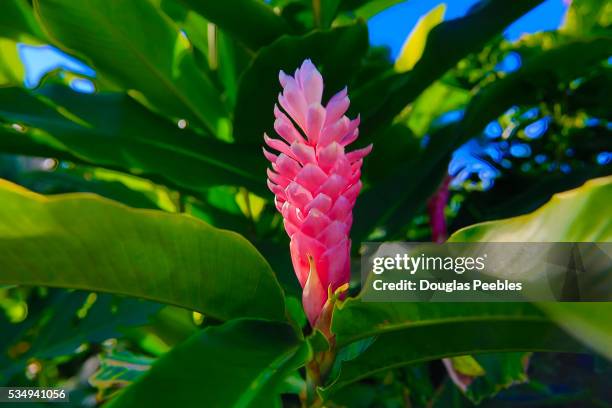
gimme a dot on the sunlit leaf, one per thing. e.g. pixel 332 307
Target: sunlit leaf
pixel 82 241
pixel 585 215
pixel 12 71
pixel 414 45
pixel 583 211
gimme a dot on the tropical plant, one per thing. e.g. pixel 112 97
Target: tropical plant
pixel 144 262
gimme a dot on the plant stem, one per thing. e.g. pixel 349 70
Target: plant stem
pixel 316 374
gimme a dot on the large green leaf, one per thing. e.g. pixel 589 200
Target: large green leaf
pixel 110 129
pixel 255 24
pixel 336 52
pixel 382 99
pixel 82 241
pixel 419 331
pixel 579 215
pixel 238 364
pixel 505 200
pixel 140 48
pixel 406 333
pixel 589 322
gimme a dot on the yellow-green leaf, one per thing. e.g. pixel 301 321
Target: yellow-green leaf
pixel 413 47
pixel 83 241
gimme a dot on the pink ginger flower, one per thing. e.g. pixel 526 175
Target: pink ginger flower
pixel 315 182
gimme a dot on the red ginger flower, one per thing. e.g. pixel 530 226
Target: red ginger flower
pixel 315 182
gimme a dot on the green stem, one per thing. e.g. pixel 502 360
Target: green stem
pixel 316 374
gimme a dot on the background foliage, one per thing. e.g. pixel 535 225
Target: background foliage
pixel 159 110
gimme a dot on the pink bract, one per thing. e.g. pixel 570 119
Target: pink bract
pixel 315 182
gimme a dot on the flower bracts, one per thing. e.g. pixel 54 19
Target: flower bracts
pixel 315 182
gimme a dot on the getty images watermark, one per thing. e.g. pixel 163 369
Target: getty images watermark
pixel 472 272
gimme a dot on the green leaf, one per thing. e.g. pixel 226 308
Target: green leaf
pixel 505 201
pixel 129 190
pixel 239 364
pixel 585 212
pixel 584 16
pixel 58 122
pixel 18 23
pixel 12 71
pixel 233 59
pixel 82 241
pixel 382 99
pixel 255 25
pixel 385 209
pixel 329 50
pixel 436 100
pixel 328 10
pixel 585 217
pixel 407 333
pixel 588 322
pixel 193 24
pixel 372 7
pixel 395 145
pixel 140 49
pixel 414 45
